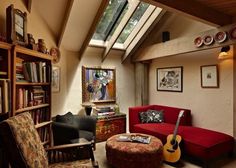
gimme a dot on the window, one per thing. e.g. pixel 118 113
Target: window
pixel 114 16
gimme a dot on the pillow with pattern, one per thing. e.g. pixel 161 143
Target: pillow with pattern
pixel 154 116
pixel 143 117
pixel 151 116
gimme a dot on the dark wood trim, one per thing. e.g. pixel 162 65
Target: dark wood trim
pixel 194 10
pixel 96 20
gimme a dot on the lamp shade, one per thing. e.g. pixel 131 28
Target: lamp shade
pixel 224 52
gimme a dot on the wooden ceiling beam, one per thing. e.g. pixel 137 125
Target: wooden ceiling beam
pixel 181 45
pixel 194 10
pixel 66 18
pixel 92 29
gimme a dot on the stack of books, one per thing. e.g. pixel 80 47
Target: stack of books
pixel 104 111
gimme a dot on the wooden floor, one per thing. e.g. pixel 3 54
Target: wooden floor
pixel 100 156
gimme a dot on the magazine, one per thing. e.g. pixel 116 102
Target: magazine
pixel 134 138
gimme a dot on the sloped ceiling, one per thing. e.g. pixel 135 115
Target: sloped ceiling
pixel 52 12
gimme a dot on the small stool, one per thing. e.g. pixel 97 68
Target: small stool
pixel 134 155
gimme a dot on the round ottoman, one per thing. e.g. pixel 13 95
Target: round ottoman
pixel 133 154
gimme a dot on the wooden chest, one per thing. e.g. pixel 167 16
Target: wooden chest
pixel 108 126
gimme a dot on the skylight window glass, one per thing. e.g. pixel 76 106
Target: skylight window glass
pixel 109 20
pixel 133 22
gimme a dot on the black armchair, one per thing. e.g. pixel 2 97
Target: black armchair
pixel 68 128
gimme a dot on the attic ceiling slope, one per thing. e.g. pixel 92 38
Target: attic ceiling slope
pixel 197 10
pixel 79 21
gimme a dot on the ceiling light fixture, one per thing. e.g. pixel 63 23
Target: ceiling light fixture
pixel 224 52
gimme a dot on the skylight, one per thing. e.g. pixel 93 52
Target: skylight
pixel 121 22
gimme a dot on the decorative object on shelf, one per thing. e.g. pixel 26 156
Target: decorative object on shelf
pixel 42 46
pixel 209 76
pixel 208 40
pixel 232 33
pixel 224 52
pixel 116 108
pixel 31 42
pixel 220 37
pixel 16 26
pixel 198 42
pixel 98 84
pixel 2 37
pixel 55 53
pixel 170 79
pixel 88 107
pixel 56 79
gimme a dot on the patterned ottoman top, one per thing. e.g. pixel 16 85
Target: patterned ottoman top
pixel 154 146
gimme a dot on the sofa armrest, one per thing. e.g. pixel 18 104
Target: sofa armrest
pixel 134 115
pixel 63 133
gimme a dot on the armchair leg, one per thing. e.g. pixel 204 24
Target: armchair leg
pixel 95 163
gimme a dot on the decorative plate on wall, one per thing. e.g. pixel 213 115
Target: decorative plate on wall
pixel 221 36
pixel 198 42
pixel 208 40
pixel 233 33
pixel 55 53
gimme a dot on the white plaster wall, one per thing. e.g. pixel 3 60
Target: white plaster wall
pixel 211 108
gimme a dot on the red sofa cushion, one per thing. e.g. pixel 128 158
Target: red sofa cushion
pixel 160 130
pixel 205 143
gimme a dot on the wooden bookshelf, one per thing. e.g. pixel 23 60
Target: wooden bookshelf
pixel 31 88
pixel 5 75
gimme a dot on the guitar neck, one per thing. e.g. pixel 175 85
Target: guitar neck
pixel 176 127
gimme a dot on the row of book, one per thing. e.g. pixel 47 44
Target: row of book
pixel 40 115
pixel 44 133
pixel 5 95
pixel 32 96
pixel 36 72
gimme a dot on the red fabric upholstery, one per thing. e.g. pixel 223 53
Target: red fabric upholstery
pixel 170 114
pixel 198 142
pixel 205 144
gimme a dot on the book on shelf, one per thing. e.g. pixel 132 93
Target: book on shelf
pixel 134 138
pixel 5 95
pixel 31 96
pixel 36 72
pixel 3 73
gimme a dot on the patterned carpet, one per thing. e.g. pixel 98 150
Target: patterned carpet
pixel 100 156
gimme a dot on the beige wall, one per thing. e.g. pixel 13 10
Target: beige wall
pixel 211 108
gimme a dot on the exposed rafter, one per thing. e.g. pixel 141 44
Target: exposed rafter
pixel 120 28
pixel 28 4
pixel 93 27
pixel 180 46
pixel 142 34
pixel 67 15
pixel 194 10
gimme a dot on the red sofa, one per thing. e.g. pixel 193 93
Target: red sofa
pixel 197 142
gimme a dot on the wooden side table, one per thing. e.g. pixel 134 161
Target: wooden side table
pixel 108 126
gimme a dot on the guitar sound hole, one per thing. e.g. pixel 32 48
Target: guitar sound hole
pixel 173 142
pixel 175 146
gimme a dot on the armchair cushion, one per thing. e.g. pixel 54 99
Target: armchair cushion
pixel 67 118
pixel 26 138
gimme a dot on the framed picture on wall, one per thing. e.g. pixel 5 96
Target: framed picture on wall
pixel 170 79
pixel 56 72
pixel 209 76
pixel 98 84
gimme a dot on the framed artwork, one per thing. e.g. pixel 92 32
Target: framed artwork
pixel 56 72
pixel 209 76
pixel 16 26
pixel 98 84
pixel 170 79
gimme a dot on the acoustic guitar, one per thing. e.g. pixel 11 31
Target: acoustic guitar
pixel 171 151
